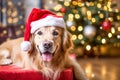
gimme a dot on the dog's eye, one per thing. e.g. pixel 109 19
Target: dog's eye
pixel 39 33
pixel 55 33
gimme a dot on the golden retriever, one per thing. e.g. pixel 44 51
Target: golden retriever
pixel 49 53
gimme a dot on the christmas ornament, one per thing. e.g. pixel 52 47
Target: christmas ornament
pixel 106 25
pixel 89 31
pixel 63 10
pixel 70 23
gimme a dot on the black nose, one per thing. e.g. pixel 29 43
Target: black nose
pixel 47 45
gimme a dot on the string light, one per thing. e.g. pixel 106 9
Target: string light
pixel 77 16
pixel 110 19
pixel 101 15
pixel 80 28
pixel 103 41
pixel 99 5
pixel 119 28
pixel 80 36
pixel 109 35
pixel 118 36
pixel 82 42
pixel 59 14
pixel 10 20
pixel 74 37
pixel 73 28
pixel 118 17
pixel 3 10
pixel 88 47
pixel 93 20
pixel 74 3
pixel 116 10
pixel 58 7
pixel 105 8
pixel 113 30
pixel 66 3
pixel 80 4
pixel 98 38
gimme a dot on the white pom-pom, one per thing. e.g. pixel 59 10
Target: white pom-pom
pixel 25 46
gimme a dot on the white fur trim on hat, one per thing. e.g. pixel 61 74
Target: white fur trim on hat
pixel 47 21
pixel 25 46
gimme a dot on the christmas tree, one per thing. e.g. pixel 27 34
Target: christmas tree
pixel 91 22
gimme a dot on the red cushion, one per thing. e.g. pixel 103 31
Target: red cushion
pixel 12 72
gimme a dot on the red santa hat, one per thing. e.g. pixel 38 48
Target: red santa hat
pixel 39 18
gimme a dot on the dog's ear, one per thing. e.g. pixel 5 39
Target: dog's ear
pixel 67 42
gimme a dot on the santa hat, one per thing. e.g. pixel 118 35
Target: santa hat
pixel 39 18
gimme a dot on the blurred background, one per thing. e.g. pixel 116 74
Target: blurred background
pixel 94 25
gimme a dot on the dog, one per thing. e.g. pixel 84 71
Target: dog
pixel 49 54
pixel 44 47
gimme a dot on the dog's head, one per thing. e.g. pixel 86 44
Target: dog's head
pixel 51 42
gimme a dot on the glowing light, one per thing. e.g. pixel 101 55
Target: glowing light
pixel 74 37
pixel 89 13
pixel 3 10
pixel 113 30
pixel 99 5
pixel 70 16
pixel 74 2
pixel 10 3
pixel 109 35
pixel 22 26
pixel 15 20
pixel 93 20
pixel 80 28
pixel 82 42
pixel 103 41
pixel 98 37
pixel 93 75
pixel 88 70
pixel 66 3
pixel 118 36
pixel 116 10
pixel 101 27
pixel 10 20
pixel 77 16
pixel 58 7
pixel 91 4
pixel 105 8
pixel 118 17
pixel 4 32
pixel 80 4
pixel 103 71
pixel 88 47
pixel 14 14
pixel 80 36
pixel 101 15
pixel 73 28
pixel 59 14
pixel 110 19
pixel 119 28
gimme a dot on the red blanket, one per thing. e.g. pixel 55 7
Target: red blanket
pixel 12 72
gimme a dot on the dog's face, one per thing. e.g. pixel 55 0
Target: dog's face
pixel 48 40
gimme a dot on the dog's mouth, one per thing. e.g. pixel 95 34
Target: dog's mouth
pixel 47 55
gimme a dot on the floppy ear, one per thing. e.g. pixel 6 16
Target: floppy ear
pixel 67 43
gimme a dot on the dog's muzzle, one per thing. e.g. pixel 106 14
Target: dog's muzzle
pixel 47 52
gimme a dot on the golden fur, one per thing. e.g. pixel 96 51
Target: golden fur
pixel 10 52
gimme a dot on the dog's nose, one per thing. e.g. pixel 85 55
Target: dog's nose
pixel 47 45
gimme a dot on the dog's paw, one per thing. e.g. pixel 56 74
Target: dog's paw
pixel 5 61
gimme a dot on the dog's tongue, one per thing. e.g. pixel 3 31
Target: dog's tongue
pixel 47 56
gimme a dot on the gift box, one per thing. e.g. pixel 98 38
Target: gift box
pixel 12 72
